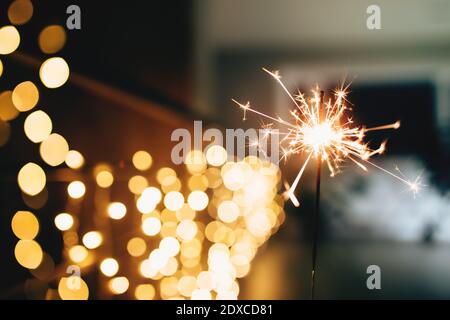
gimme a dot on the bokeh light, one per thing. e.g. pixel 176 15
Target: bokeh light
pixel 54 72
pixel 119 285
pixel 216 155
pixel 38 126
pixel 92 239
pixel 74 159
pixel 117 210
pixel 25 96
pixel 198 200
pixel 7 109
pixel 136 247
pixel 174 200
pixel 25 225
pixel 31 179
pixel 20 11
pixel 54 149
pixel 104 179
pixel 144 292
pixel 73 288
pixel 151 226
pixel 109 267
pixel 64 221
pixel 9 39
pixel 52 39
pixel 78 253
pixel 28 253
pixel 142 160
pixel 76 189
pixel 137 184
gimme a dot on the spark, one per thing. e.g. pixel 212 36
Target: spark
pixel 323 129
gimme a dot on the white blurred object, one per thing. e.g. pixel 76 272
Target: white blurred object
pixel 373 204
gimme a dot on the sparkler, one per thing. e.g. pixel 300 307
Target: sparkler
pixel 325 130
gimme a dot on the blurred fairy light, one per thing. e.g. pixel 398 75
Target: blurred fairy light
pixel 38 126
pixel 31 179
pixel 54 149
pixel 76 189
pixel 186 236
pixel 64 221
pixel 9 39
pixel 74 159
pixel 324 129
pixel 54 72
pixel 20 11
pixel 25 96
pixel 186 247
pixel 52 39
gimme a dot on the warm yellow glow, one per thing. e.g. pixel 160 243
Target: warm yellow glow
pixel 157 259
pixel 52 39
pixel 64 221
pixel 137 184
pixel 20 11
pixel 186 212
pixel 92 239
pixel 152 194
pixel 31 179
pixel 25 225
pixel 145 205
pixel 104 179
pixel 109 267
pixel 136 247
pixel 54 72
pixel 25 96
pixel 28 253
pixel 78 253
pixel 163 173
pixel 170 268
pixel 195 162
pixel 74 159
pixel 201 294
pixel 228 211
pixel 147 270
pixel 171 183
pixel 168 287
pixel 151 226
pixel 73 288
pixel 76 189
pixel 186 230
pixel 117 210
pixel 9 39
pixel 205 280
pixel 198 182
pixel 7 109
pixel 142 160
pixel 198 200
pixel 144 292
pixel 216 155
pixel 38 126
pixel 54 149
pixel 173 200
pixel 187 285
pixel 1 68
pixel 119 285
pixel 170 246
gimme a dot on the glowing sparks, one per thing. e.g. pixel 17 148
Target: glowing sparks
pixel 322 128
